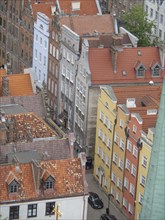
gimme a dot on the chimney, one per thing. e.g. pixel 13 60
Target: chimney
pixel 3 128
pixel 36 169
pixel 10 134
pixel 115 48
pixel 5 86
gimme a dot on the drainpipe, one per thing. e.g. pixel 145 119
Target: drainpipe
pixel 139 145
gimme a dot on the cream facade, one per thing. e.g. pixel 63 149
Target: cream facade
pixel 106 117
pixel 144 160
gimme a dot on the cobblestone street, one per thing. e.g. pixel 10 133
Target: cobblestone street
pixel 94 214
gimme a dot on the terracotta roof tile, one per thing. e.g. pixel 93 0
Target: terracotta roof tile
pixel 68 180
pixel 19 84
pixel 89 24
pixel 43 8
pixel 101 66
pixel 87 7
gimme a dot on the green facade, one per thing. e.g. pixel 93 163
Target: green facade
pixel 153 206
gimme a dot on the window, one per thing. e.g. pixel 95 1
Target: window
pixel 135 151
pixel 119 183
pixel 126 183
pixel 144 161
pixel 133 170
pixel 142 180
pixel 121 123
pixel 116 139
pixel 127 164
pixel 130 208
pixel 156 70
pixel 140 72
pixel 109 143
pixel 132 189
pixel 125 203
pixel 32 210
pixel 115 158
pixel 122 144
pixel 140 198
pixel 151 12
pixel 118 198
pixel 160 33
pixel 36 37
pixel 49 183
pixel 41 40
pixel 134 128
pixel 161 19
pixel 13 186
pixel 107 161
pixel 106 121
pixel 112 191
pixel 113 177
pixel 110 126
pixel 120 164
pixel 99 151
pixel 50 208
pixel 129 146
pixel 45 44
pixel 14 212
pixel 100 133
pixel 101 116
pixel 103 156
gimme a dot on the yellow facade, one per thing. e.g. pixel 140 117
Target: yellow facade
pixel 106 115
pixel 144 160
pixel 118 158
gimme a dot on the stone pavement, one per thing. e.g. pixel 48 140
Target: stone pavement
pixel 94 214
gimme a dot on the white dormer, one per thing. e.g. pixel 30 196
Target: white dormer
pixel 75 6
pixel 130 103
pixel 152 112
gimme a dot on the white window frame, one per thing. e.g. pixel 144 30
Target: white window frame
pixel 120 165
pixel 144 161
pixel 115 158
pixel 127 164
pixel 133 170
pixel 134 128
pixel 142 180
pixel 119 183
pixel 132 189
pixel 129 145
pixel 125 202
pixel 140 198
pixel 122 144
pixel 135 151
pixel 116 138
pixel 113 177
pixel 121 123
pixel 126 182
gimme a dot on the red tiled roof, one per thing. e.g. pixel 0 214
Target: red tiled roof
pixel 101 66
pixel 19 84
pixel 146 94
pixel 42 7
pixel 89 24
pixel 87 7
pixel 67 173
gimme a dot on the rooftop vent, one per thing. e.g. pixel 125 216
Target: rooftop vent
pixel 130 103
pixel 124 73
pixel 139 53
pixel 75 6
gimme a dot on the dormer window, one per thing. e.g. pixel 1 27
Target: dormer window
pixel 155 70
pixel 13 187
pixel 140 72
pixel 140 69
pixel 49 183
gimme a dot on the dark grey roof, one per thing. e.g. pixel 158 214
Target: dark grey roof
pixel 32 103
pixel 24 157
pixel 51 149
pixel 12 109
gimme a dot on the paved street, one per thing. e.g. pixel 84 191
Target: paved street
pixel 94 214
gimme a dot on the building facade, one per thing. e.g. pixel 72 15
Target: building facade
pixel 40 49
pixel 156 13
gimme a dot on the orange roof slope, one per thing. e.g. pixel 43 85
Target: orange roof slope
pixel 100 62
pixel 89 24
pixel 87 7
pixel 19 85
pixel 67 174
pixel 42 7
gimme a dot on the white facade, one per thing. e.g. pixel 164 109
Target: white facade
pixel 74 208
pixel 68 70
pixel 40 48
pixel 156 12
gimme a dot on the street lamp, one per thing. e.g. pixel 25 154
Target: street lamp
pixel 109 198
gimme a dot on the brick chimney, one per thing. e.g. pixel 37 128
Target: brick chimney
pixel 3 128
pixel 5 86
pixel 115 48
